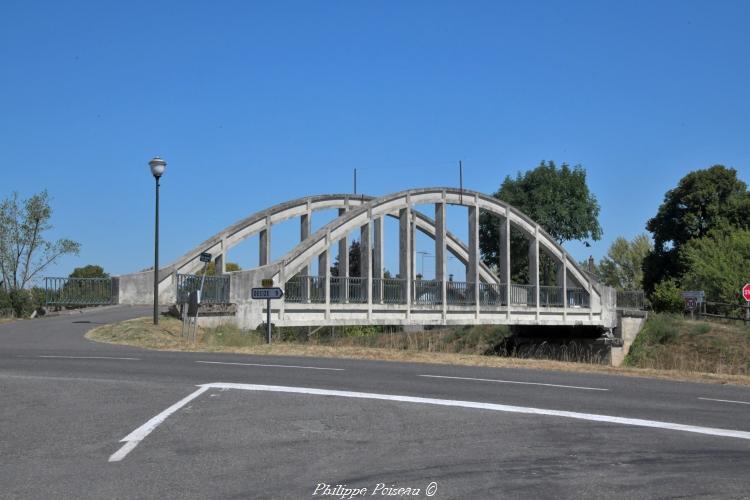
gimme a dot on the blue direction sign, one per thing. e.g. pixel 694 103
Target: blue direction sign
pixel 266 293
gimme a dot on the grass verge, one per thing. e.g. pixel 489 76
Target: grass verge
pixel 166 336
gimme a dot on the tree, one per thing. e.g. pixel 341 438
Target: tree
pixel 719 264
pixel 622 267
pixel 354 267
pixel 558 199
pixel 89 271
pixel 703 201
pixel 229 267
pixel 24 252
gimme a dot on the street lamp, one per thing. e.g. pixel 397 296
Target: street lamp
pixel 157 170
pixel 424 254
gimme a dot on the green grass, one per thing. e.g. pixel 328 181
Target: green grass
pixel 670 342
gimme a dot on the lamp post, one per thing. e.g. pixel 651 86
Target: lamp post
pixel 157 170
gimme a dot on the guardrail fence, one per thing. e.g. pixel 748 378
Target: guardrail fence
pixel 79 291
pixel 215 288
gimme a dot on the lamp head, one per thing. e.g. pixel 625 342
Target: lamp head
pixel 157 166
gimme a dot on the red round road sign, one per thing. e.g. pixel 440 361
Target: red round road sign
pixel 746 292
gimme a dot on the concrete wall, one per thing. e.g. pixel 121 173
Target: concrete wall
pixel 138 289
pixel 629 324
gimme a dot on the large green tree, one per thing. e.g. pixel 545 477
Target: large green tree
pixel 622 267
pixel 558 199
pixel 703 201
pixel 718 263
pixel 24 250
pixel 89 271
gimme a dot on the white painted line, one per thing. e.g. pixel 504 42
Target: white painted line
pixel 726 401
pixel 135 437
pixel 517 382
pixel 711 431
pixel 89 357
pixel 271 366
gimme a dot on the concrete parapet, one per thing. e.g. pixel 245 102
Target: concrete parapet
pixel 629 324
pixel 138 289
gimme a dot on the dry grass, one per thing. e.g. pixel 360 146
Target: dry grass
pixel 142 333
pixel 673 343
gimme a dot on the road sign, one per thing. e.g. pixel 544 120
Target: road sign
pixel 267 293
pixel 690 304
pixel 746 292
pixel 205 257
pixel 698 295
pixel 266 283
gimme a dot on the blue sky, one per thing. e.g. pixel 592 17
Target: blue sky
pixel 255 103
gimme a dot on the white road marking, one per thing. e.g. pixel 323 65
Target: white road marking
pixel 271 366
pixel 135 437
pixel 517 382
pixel 89 357
pixel 726 401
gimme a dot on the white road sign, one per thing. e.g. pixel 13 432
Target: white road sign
pixel 267 293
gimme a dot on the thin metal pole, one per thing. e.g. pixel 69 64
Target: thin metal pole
pixel 268 320
pixel 156 257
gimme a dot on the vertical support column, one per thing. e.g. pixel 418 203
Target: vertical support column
pixel 324 270
pixel 404 254
pixel 264 253
pixel 534 267
pixel 413 236
pixel 344 264
pixel 377 258
pixel 220 262
pixel 365 269
pixel 472 274
pixel 506 250
pixel 440 251
pixel 305 226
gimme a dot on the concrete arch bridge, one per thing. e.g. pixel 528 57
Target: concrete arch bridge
pixel 485 297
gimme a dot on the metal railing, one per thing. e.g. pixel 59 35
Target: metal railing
pixel 522 295
pixel 300 289
pixel 631 299
pixel 215 288
pixel 389 291
pixel 459 293
pixel 492 294
pixel 427 292
pixel 551 296
pixel 357 290
pixel 79 291
pixel 310 289
pixel 578 297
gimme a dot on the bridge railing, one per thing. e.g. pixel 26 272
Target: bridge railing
pixel 522 295
pixel 389 290
pixel 631 299
pixel 460 293
pixel 79 291
pixel 427 292
pixel 551 296
pixel 215 288
pixel 578 297
pixel 492 294
pixel 311 289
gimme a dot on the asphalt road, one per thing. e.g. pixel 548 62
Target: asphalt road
pixel 66 405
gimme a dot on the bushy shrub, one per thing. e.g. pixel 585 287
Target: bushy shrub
pixel 666 297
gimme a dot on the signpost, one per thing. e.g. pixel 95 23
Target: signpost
pixel 268 294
